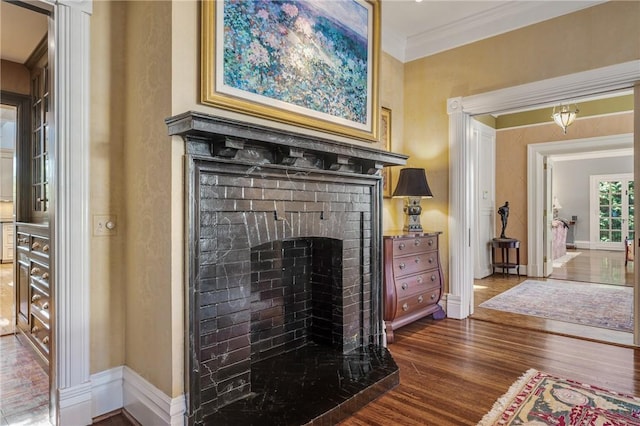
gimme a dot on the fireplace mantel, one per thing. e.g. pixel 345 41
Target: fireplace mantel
pixel 284 296
pixel 229 136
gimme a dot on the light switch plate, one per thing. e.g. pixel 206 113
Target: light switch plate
pixel 105 225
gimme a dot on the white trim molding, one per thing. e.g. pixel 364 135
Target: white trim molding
pixel 462 176
pixel 70 226
pixel 148 404
pixel 116 388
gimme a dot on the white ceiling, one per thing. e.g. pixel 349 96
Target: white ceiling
pixel 20 32
pixel 412 30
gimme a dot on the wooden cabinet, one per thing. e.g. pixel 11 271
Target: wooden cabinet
pixel 6 255
pixel 412 279
pixel 34 287
pixel 6 175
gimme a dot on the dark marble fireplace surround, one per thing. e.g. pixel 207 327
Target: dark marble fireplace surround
pixel 284 279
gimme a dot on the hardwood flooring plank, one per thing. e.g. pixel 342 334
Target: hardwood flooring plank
pixel 452 371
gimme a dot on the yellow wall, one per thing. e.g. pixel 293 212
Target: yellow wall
pixel 107 184
pixel 602 35
pixel 145 67
pixel 511 162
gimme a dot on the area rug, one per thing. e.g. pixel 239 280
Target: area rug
pixel 559 262
pixel 539 398
pixel 595 305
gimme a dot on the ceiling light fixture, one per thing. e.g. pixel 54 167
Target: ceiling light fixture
pixel 565 115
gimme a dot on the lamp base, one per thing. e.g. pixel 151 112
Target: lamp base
pixel 413 210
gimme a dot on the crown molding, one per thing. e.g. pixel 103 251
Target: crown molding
pixel 545 92
pixel 498 20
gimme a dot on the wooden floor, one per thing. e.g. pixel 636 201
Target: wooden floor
pixel 598 266
pixel 452 371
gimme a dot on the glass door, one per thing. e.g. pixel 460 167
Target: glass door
pixel 614 195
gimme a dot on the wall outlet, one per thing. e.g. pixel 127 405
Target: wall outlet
pixel 104 225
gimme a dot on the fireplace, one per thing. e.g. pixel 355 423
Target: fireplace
pixel 283 302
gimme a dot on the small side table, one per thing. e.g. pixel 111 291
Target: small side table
pixel 505 244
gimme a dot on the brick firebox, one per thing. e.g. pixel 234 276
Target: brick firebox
pixel 284 237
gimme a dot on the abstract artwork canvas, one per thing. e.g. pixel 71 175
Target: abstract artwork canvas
pixel 311 63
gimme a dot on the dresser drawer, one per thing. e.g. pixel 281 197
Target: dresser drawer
pixel 412 264
pixel 418 301
pixel 40 245
pixel 39 273
pixel 40 300
pixel 40 333
pixel 413 284
pixel 418 244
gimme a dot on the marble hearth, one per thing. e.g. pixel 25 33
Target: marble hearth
pixel 284 291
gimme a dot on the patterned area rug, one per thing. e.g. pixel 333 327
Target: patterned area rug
pixel 559 262
pixel 596 305
pixel 538 399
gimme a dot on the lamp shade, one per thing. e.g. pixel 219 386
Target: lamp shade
pixel 412 183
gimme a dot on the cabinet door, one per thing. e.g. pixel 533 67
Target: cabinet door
pixel 6 175
pixel 22 296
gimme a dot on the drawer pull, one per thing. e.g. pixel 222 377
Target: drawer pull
pixel 45 305
pixel 35 271
pixel 430 243
pixel 45 340
pixel 405 286
pixel 433 296
pixel 417 260
pixel 401 246
pixel 35 329
pixel 419 279
pixel 417 243
pixel 45 248
pixel 35 298
pixel 35 246
pixel 433 277
pixel 420 299
pixel 402 266
pixel 45 276
pixel 431 260
pixel 405 307
pixel 23 240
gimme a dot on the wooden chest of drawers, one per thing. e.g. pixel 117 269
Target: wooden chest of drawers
pixel 412 279
pixel 34 287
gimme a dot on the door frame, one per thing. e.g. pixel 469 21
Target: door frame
pixel 461 177
pixel 535 198
pixel 70 399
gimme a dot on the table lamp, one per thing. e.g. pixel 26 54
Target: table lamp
pixel 412 184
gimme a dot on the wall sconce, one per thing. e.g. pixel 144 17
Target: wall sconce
pixel 565 115
pixel 413 185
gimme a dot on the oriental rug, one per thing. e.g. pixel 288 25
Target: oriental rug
pixel 595 305
pixel 539 398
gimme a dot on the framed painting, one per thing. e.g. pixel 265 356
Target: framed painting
pixel 385 138
pixel 309 63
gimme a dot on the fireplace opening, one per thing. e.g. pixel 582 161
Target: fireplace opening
pixel 294 286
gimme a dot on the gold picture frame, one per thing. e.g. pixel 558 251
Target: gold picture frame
pixel 305 64
pixel 385 138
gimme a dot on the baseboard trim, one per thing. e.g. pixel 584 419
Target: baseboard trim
pixel 120 388
pixel 148 404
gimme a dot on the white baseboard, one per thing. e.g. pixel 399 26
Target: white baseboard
pixel 583 245
pixel 75 405
pixel 106 389
pixel 453 306
pixel 148 404
pixel 116 388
